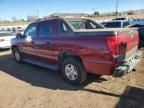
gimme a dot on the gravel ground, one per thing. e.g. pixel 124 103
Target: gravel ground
pixel 28 86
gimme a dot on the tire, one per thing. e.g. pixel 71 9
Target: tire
pixel 141 43
pixel 17 55
pixel 73 71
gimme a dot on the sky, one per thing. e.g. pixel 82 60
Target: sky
pixel 23 8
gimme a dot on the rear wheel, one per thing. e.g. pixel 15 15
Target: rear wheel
pixel 17 55
pixel 73 71
pixel 141 43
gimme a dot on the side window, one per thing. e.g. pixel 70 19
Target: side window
pixel 31 30
pixel 45 29
pixel 64 28
pixel 125 24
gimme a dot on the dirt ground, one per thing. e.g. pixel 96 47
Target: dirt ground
pixel 28 86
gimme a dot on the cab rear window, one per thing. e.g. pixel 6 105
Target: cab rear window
pixel 84 24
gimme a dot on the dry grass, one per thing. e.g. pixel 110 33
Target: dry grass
pixel 97 18
pixel 13 23
pixel 111 17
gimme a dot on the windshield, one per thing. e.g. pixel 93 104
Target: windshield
pixel 120 19
pixel 112 24
pixel 84 24
pixel 137 25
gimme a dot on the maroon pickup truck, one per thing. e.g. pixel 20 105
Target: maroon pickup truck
pixel 78 46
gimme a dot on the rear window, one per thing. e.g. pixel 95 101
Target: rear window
pixel 6 34
pixel 84 24
pixel 78 24
pixel 120 19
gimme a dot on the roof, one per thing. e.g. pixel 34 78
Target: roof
pixel 59 17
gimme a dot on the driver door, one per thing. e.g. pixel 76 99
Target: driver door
pixel 27 45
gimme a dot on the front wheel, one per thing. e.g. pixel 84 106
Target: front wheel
pixel 73 71
pixel 17 55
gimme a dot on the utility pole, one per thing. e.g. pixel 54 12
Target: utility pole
pixel 37 13
pixel 117 3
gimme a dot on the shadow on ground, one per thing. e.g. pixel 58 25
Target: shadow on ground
pixel 2 50
pixel 40 77
pixel 133 97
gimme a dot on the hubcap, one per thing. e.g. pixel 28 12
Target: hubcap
pixel 17 55
pixel 71 72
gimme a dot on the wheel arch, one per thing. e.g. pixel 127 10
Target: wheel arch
pixel 65 54
pixel 13 46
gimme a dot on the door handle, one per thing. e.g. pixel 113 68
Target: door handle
pixel 47 43
pixel 33 42
pixel 35 45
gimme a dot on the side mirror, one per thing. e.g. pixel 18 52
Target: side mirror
pixel 28 38
pixel 19 35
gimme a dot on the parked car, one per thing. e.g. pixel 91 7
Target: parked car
pixel 5 38
pixel 115 24
pixel 126 19
pixel 20 31
pixel 77 46
pixel 15 30
pixel 141 33
pixel 122 18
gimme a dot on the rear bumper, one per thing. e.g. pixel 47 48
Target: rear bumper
pixel 128 66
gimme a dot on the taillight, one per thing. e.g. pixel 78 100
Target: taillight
pixel 113 45
pixel 2 40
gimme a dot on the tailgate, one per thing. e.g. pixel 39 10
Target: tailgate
pixel 127 43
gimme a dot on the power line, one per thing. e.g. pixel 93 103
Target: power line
pixel 37 13
pixel 117 4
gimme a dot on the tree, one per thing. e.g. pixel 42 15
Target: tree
pixel 32 18
pixel 23 20
pixel 130 13
pixel 14 19
pixel 96 13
